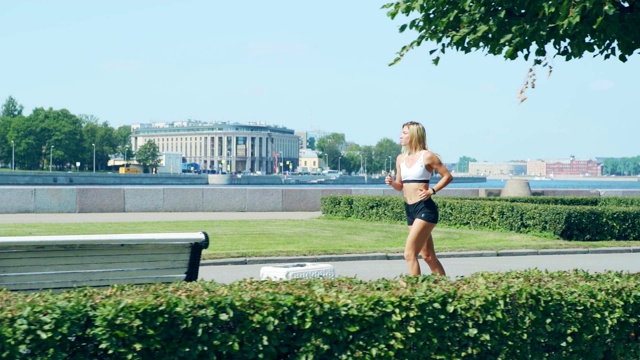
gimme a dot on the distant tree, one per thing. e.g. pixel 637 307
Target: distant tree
pixel 610 166
pixel 367 157
pixel 623 166
pixel 148 155
pixel 385 153
pixel 123 139
pixel 628 166
pixel 104 138
pixel 11 108
pixel 311 143
pixel 29 146
pixel 89 119
pixel 331 147
pixel 634 165
pixel 63 131
pixel 5 139
pixel 463 164
pixel 351 159
pixel 514 29
pixel 123 135
pixel 106 145
pixel 90 129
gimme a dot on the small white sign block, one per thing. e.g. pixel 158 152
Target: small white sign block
pixel 297 271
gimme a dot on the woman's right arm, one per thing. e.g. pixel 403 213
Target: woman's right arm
pixel 397 183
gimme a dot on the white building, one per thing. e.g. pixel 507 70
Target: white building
pixel 497 169
pixel 222 146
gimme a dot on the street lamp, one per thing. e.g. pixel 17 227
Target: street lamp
pixel 126 150
pixel 360 163
pixel 51 160
pixel 326 160
pixel 339 157
pixel 389 164
pixel 94 157
pixel 13 155
pixel 281 162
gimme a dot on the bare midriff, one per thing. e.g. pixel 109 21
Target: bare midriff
pixel 411 193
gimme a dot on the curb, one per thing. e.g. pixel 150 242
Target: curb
pixel 444 255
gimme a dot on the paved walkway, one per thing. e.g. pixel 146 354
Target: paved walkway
pixel 366 266
pixel 455 266
pixel 150 216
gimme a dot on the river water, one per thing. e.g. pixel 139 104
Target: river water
pixel 556 184
pixel 533 184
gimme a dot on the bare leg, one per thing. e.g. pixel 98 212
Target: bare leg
pixel 419 232
pixel 428 253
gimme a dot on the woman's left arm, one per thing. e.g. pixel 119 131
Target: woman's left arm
pixel 433 161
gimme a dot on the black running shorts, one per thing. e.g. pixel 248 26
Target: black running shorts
pixel 426 210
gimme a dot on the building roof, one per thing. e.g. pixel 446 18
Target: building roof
pixel 308 153
pixel 195 125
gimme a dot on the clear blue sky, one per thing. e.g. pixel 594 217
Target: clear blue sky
pixel 320 65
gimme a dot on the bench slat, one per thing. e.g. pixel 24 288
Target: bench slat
pixel 104 239
pixel 66 284
pixel 19 252
pixel 79 275
pixel 54 280
pixel 95 263
pixel 87 256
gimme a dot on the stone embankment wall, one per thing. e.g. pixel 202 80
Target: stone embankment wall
pixel 58 178
pixel 208 198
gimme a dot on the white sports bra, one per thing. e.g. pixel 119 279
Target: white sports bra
pixel 417 173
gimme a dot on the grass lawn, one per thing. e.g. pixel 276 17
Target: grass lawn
pixel 253 238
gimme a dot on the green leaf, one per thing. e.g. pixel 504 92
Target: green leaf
pixel 482 29
pixel 574 19
pixel 609 9
pixel 506 38
pixel 598 21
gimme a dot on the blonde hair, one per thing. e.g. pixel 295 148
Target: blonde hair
pixel 417 137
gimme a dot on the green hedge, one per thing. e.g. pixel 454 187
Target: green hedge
pixel 566 200
pixel 516 315
pixel 369 208
pixel 570 218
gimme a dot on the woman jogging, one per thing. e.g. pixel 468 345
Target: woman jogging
pixel 414 167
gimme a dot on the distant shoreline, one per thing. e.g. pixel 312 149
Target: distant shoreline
pixel 568 177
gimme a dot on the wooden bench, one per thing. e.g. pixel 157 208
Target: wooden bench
pixel 33 263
